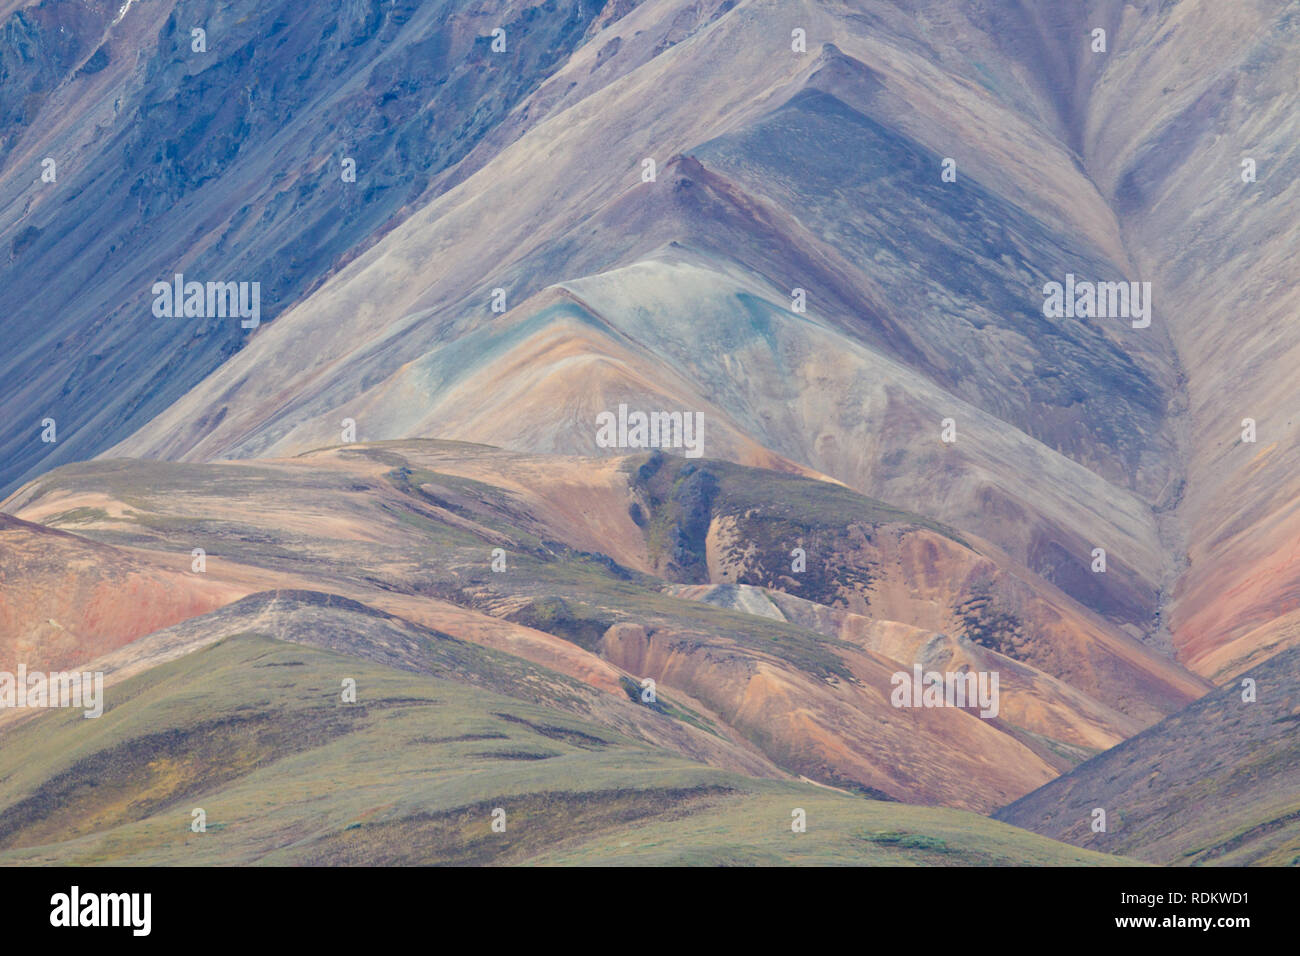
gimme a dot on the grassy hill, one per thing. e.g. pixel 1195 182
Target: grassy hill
pixel 254 731
pixel 1216 783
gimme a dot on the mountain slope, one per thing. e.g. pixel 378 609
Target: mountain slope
pixel 414 348
pixel 66 598
pixel 1216 783
pixel 824 232
pixel 224 164
pixel 820 172
pixel 588 551
pixel 253 732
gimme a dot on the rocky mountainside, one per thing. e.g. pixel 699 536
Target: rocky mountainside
pixel 443 249
pixel 589 567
